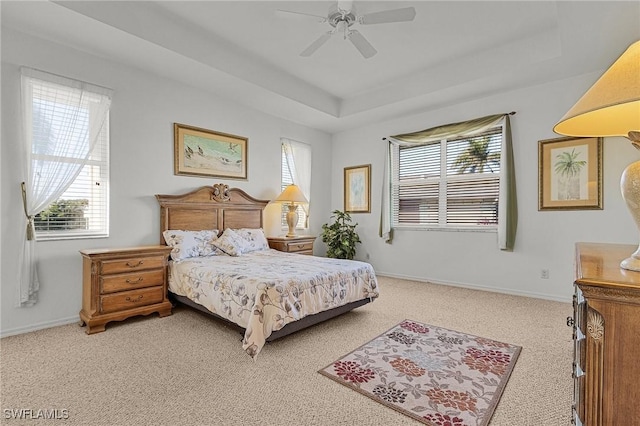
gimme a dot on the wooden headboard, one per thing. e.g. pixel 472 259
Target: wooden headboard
pixel 210 207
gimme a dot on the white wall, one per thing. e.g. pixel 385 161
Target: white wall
pixel 143 111
pixel 545 239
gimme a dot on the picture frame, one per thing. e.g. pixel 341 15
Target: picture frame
pixel 357 189
pixel 570 173
pixel 203 152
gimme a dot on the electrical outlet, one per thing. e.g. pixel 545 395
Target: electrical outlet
pixel 544 274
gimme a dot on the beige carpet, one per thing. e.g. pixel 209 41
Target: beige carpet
pixel 187 369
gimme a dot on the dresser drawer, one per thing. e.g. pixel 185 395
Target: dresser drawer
pixel 117 266
pixel 131 299
pixel 121 282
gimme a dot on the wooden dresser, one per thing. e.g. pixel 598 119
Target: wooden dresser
pixel 302 244
pixel 120 283
pixel 606 322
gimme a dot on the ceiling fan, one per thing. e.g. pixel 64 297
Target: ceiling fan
pixel 342 16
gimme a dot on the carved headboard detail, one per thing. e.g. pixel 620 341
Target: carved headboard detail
pixel 210 207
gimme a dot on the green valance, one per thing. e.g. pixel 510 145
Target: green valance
pixel 448 131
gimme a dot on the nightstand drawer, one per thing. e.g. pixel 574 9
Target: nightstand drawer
pixel 295 247
pixel 301 244
pixel 131 299
pixel 113 283
pixel 131 264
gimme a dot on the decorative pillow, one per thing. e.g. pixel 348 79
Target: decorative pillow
pixel 186 244
pixel 232 243
pixel 255 237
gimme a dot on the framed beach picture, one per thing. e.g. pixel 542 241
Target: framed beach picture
pixel 357 189
pixel 570 174
pixel 202 152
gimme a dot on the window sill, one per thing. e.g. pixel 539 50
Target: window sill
pixel 446 229
pixel 70 237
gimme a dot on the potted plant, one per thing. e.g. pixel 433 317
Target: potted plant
pixel 341 237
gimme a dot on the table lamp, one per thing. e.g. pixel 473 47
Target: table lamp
pixel 294 196
pixel 611 107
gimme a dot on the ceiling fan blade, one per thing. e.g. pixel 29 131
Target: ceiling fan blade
pixel 388 16
pixel 291 13
pixel 316 44
pixel 361 43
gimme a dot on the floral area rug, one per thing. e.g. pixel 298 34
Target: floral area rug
pixel 435 375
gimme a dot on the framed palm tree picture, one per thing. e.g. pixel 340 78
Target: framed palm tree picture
pixel 570 174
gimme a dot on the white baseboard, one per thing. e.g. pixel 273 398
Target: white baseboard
pixel 75 319
pixel 39 326
pixel 477 287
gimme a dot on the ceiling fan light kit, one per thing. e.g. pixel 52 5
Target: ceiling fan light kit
pixel 337 15
pixel 342 15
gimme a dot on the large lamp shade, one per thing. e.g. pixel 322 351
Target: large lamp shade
pixel 611 107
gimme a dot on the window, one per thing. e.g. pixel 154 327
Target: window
pixel 296 169
pixel 450 184
pixel 69 129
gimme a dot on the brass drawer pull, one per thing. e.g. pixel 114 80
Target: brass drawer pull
pixel 140 262
pixel 300 246
pixel 139 280
pixel 136 300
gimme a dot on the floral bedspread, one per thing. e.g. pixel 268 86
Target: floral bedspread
pixel 264 290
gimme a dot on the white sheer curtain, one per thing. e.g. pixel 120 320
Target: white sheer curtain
pixel 298 157
pixel 62 119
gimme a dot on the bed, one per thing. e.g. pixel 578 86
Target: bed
pixel 264 293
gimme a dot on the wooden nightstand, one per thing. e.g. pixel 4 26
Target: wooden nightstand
pixel 120 283
pixel 302 244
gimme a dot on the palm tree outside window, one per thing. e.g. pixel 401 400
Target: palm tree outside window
pixel 478 156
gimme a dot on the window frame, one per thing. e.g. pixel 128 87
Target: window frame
pixel 302 215
pixel 99 158
pixel 442 180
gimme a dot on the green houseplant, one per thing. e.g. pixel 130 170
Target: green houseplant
pixel 341 236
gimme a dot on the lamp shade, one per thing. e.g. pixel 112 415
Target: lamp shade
pixel 292 194
pixel 611 107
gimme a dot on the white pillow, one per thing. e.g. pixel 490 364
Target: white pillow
pixel 232 243
pixel 186 244
pixel 255 237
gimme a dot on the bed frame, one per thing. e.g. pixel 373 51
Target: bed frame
pixel 220 207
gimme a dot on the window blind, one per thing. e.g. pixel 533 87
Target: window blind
pixel 449 184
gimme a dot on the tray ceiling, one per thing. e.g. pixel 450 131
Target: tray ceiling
pixel 243 50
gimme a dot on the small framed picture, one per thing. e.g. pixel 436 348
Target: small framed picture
pixel 357 189
pixel 570 174
pixel 202 152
